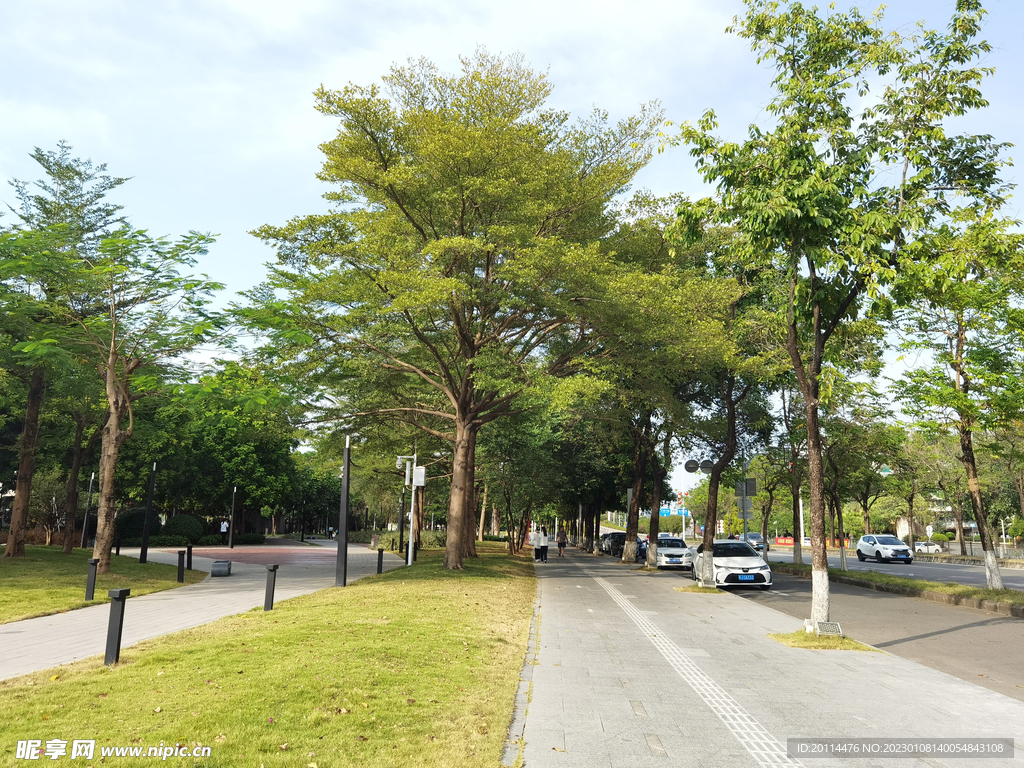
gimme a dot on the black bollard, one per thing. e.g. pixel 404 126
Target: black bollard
pixel 117 600
pixel 90 582
pixel 380 559
pixel 181 566
pixel 117 549
pixel 188 558
pixel 268 601
pixel 415 550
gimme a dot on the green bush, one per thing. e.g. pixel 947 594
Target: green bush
pixel 209 540
pixel 428 539
pixel 157 541
pixel 939 537
pixel 189 526
pixel 491 537
pixel 129 524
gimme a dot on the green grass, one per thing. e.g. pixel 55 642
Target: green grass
pixel 414 667
pixel 803 639
pixel 47 581
pixel 1013 596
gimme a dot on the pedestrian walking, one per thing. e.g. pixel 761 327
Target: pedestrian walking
pixel 223 531
pixel 543 544
pixel 535 540
pixel 561 539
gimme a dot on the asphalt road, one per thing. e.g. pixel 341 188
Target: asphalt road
pixel 973 575
pixel 976 646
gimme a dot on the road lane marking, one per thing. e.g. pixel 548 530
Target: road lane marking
pixel 761 745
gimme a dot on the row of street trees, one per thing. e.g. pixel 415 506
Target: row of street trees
pixel 486 292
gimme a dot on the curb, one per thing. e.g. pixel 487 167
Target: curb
pixel 967 560
pixel 992 606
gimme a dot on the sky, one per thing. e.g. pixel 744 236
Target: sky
pixel 208 106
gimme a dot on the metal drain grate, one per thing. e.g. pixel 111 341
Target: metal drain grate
pixel 829 629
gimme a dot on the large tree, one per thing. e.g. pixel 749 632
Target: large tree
pixel 452 270
pixel 131 313
pixel 838 190
pixel 65 212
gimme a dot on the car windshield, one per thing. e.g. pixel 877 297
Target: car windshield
pixel 671 543
pixel 753 537
pixel 733 549
pixel 890 540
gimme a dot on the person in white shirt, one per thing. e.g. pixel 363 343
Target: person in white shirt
pixel 542 539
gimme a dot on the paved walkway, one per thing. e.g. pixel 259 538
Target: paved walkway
pixel 630 672
pixel 49 641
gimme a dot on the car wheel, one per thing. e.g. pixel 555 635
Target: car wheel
pixel 860 556
pixel 879 558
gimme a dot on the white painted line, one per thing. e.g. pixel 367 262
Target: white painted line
pixel 761 745
pixel 590 610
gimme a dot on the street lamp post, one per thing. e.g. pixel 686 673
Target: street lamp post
pixel 341 563
pixel 410 482
pixel 88 506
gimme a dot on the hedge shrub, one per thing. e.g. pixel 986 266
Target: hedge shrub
pixel 189 526
pixel 157 541
pixel 129 524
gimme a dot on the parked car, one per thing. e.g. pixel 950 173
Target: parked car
pixel 927 547
pixel 673 553
pixel 604 543
pixel 736 564
pixel 884 549
pixel 618 543
pixel 756 540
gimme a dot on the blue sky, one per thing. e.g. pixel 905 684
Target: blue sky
pixel 208 105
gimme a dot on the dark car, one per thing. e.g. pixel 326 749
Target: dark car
pixel 619 543
pixel 755 540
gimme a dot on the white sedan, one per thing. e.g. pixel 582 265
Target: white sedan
pixel 673 553
pixel 928 547
pixel 736 564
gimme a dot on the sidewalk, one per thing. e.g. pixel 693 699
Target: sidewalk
pixel 49 641
pixel 630 672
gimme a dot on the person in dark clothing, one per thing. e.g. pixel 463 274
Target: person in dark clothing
pixel 561 539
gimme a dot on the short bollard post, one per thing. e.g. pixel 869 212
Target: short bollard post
pixel 181 566
pixel 117 548
pixel 117 600
pixel 188 558
pixel 380 559
pixel 90 582
pixel 268 601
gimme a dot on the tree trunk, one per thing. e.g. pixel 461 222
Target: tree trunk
pixel 26 466
pixel 816 477
pixel 993 579
pixel 78 456
pixel 794 490
pixel 106 510
pixel 461 491
pixel 421 511
pixel 483 515
pixel 766 513
pixel 910 515
pixel 658 472
pixel 633 513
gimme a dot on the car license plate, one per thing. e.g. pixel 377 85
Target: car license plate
pixel 746 577
pixel 900 555
pixel 673 559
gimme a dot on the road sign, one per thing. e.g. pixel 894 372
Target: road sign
pixel 751 486
pixel 745 504
pixel 664 512
pixel 929 530
pixel 691 466
pixel 706 465
pixel 746 515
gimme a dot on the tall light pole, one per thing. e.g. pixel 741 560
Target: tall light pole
pixel 341 564
pixel 88 506
pixel 231 520
pixel 414 477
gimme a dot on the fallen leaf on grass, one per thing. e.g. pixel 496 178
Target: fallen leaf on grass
pixel 158 709
pixel 221 738
pixel 283 747
pixel 54 677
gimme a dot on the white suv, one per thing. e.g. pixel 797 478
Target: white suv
pixel 884 549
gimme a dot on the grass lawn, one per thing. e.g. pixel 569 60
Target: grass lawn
pixel 414 667
pixel 803 639
pixel 47 581
pixel 1013 596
